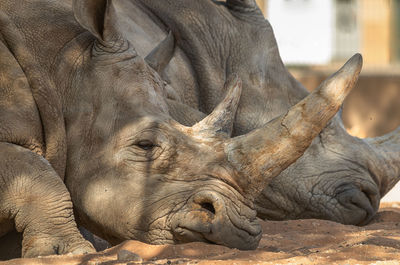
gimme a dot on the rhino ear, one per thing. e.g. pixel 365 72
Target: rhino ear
pixel 98 17
pixel 244 6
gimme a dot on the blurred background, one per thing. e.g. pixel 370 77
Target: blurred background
pixel 315 37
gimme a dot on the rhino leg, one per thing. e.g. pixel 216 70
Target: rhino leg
pixel 34 196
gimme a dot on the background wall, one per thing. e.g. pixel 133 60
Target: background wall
pixel 337 28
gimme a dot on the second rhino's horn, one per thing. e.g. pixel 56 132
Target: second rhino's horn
pixel 263 153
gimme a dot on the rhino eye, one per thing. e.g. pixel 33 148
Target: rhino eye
pixel 145 144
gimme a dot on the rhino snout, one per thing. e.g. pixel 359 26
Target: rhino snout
pixel 361 201
pixel 214 218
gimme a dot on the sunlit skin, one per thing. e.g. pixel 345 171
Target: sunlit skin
pixel 94 138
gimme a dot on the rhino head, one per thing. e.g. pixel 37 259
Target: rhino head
pixel 135 173
pixel 340 177
pixel 344 182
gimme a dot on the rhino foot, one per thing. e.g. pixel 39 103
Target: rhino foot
pixel 55 246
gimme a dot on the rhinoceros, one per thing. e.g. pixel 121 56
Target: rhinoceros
pixel 339 178
pixel 87 134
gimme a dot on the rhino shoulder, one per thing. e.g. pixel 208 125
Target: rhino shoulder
pixel 20 121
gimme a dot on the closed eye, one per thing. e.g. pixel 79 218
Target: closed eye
pixel 145 145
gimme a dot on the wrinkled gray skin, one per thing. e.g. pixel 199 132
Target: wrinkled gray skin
pixel 84 117
pixel 87 130
pixel 77 104
pixel 339 178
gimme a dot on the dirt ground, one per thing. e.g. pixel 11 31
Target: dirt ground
pixel 287 242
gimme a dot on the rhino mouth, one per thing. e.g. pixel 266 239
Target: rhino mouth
pixel 211 218
pixel 361 203
pixel 187 235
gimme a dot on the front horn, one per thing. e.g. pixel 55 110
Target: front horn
pixel 263 153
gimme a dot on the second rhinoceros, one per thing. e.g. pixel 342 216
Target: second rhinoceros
pixel 339 178
pixel 85 128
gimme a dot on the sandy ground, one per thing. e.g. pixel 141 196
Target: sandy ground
pixel 287 242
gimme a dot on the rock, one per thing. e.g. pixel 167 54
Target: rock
pixel 126 255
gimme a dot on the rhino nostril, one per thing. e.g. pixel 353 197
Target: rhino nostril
pixel 208 207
